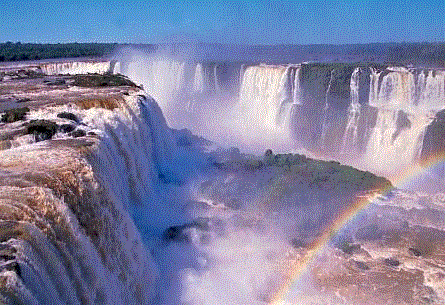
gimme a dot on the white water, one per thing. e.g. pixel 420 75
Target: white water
pixel 390 149
pixel 76 67
pixel 82 245
pixel 351 131
pixel 235 262
pixel 386 154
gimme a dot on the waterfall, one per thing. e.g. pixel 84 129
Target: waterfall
pixel 431 89
pixel 394 144
pixel 262 95
pixel 198 80
pixel 270 103
pixel 374 86
pixel 404 103
pixel 76 67
pixel 69 228
pixel 396 89
pixel 296 88
pixel 164 79
pixel 326 113
pixel 351 131
pixel 215 80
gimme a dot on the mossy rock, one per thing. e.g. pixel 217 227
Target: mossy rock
pixel 78 133
pixel 15 114
pixel 102 80
pixel 66 128
pixel 5 144
pixel 391 262
pixel 68 116
pixel 42 129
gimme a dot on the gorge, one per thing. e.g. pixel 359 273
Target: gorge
pixel 167 195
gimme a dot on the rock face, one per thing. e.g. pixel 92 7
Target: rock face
pixel 434 142
pixel 66 235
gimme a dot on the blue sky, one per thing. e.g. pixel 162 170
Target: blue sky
pixel 246 22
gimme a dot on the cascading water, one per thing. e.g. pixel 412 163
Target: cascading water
pixel 277 106
pixel 217 239
pixel 267 97
pixel 76 67
pixel 261 96
pixel 74 205
pixel 351 131
pixel 163 79
pixel 431 89
pixel 405 109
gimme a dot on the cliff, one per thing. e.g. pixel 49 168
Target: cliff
pixel 66 234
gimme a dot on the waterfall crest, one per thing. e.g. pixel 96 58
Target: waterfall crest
pixel 67 234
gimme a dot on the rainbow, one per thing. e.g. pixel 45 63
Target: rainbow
pixel 319 244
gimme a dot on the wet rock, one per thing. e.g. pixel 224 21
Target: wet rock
pixel 434 140
pixel 402 123
pixel 66 128
pixel 78 133
pixel 391 262
pixel 23 100
pixel 54 82
pixel 179 233
pixel 361 265
pixel 13 115
pixel 102 80
pixel 12 266
pixel 349 248
pixel 69 116
pixel 345 244
pixel 42 129
pixel 7 253
pixel 414 251
pixel 175 233
pixel 6 144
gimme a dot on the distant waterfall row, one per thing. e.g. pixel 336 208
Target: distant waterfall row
pixel 378 114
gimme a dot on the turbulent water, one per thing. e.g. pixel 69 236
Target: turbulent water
pixel 136 213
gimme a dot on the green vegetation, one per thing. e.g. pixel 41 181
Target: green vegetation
pixel 102 80
pixel 15 114
pixel 314 173
pixel 10 51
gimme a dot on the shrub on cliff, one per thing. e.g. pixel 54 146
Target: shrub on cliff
pixel 102 80
pixel 42 129
pixel 314 173
pixel 13 115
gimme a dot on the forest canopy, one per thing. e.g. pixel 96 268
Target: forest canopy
pixel 424 53
pixel 17 51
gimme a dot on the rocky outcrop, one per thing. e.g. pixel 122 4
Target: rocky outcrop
pixel 434 141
